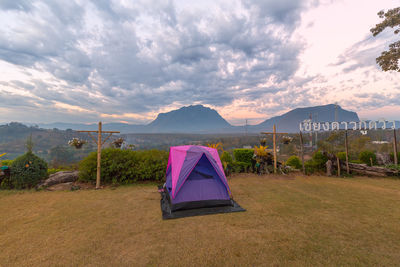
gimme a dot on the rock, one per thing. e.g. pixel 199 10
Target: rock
pixel 59 178
pixel 383 158
pixel 60 187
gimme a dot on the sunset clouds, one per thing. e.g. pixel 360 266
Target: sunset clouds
pixel 81 61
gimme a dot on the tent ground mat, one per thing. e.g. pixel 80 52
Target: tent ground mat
pixel 168 214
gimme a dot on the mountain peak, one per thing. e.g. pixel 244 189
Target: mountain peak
pixel 189 119
pixel 325 113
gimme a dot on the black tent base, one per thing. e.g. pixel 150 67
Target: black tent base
pixel 168 214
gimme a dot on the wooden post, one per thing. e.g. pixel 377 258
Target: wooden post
pixel 347 152
pixel 338 166
pixel 302 153
pixel 395 147
pixel 98 157
pixel 274 141
pixel 99 143
pixel 274 133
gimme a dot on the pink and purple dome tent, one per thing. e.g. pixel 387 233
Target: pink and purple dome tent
pixel 195 179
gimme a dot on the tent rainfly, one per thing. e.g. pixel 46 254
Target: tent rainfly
pixel 195 179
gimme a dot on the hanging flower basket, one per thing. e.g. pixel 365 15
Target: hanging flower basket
pixel 77 143
pixel 118 142
pixel 287 139
pixel 263 141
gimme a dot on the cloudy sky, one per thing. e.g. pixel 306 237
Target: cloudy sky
pixel 126 61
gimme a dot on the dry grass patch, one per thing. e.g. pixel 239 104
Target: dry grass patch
pixel 296 221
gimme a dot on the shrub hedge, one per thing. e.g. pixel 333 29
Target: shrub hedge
pixel 294 162
pixel 226 157
pixel 317 163
pixel 243 155
pixel 125 166
pixel 239 166
pixel 366 156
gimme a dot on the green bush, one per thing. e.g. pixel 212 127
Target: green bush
pixel 27 171
pixel 319 160
pixel 294 162
pixel 227 157
pixel 366 156
pixel 310 166
pixel 125 166
pixel 243 155
pixel 341 156
pixel 239 166
pixel 317 163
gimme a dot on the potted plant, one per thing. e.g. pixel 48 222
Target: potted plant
pixel 118 142
pixel 263 141
pixel 77 143
pixel 287 139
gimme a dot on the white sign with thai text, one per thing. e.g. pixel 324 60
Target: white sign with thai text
pixel 308 126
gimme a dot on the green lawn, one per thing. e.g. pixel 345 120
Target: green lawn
pixel 289 221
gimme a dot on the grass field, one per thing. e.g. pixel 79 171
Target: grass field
pixel 289 221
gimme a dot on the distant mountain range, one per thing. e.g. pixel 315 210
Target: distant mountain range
pixel 200 119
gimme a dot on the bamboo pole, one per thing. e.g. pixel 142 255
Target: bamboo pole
pixel 274 133
pixel 98 157
pixel 395 147
pixel 275 154
pixel 338 166
pixel 346 143
pixel 99 143
pixel 302 153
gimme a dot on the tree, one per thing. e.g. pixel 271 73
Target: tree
pixel 389 60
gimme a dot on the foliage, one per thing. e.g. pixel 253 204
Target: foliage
pixel 27 170
pixel 389 60
pixel 226 157
pixel 261 151
pixel 217 146
pixel 320 159
pixel 294 162
pixel 243 155
pixel 125 166
pixel 341 156
pixel 227 162
pixel 366 156
pixel 317 163
pixel 239 166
